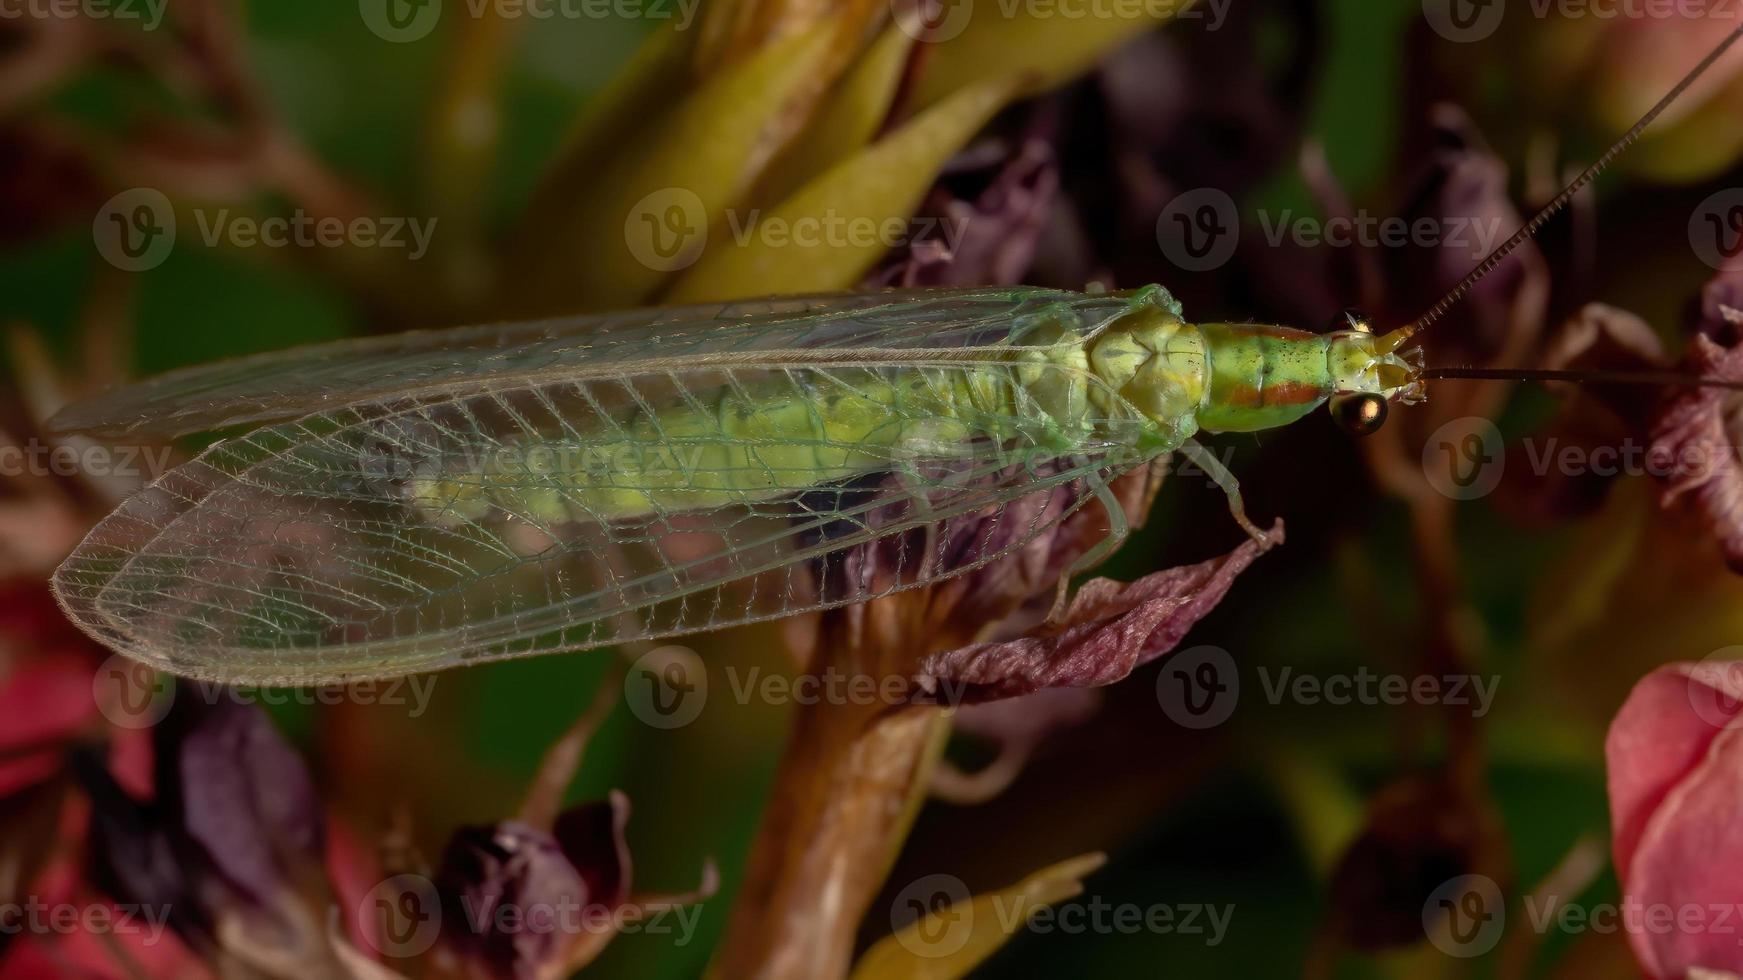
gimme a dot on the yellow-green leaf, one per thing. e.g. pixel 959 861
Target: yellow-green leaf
pixel 656 76
pixel 847 120
pixel 609 239
pixel 1035 39
pixel 735 29
pixel 950 942
pixel 832 231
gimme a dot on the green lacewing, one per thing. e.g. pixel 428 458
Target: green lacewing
pixel 432 499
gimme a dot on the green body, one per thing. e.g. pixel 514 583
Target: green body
pixel 1071 386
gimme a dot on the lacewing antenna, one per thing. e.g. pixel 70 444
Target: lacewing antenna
pixel 1654 378
pixel 1398 337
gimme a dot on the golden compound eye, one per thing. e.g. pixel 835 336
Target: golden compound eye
pixel 1359 415
pixel 1352 319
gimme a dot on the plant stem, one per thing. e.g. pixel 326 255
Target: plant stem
pixel 844 798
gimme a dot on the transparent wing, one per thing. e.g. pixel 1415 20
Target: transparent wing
pixel 321 378
pixel 393 538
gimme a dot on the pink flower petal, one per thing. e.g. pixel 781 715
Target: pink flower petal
pixel 1675 756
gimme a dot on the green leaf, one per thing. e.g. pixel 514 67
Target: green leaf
pixel 848 120
pixel 598 237
pixel 832 231
pixel 1051 48
pixel 948 943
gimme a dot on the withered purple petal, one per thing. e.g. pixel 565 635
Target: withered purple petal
pixel 235 829
pixel 132 858
pixel 1722 294
pixel 491 878
pixel 592 838
pixel 1109 629
pixel 577 877
pixel 988 241
pixel 247 799
pixel 1694 440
